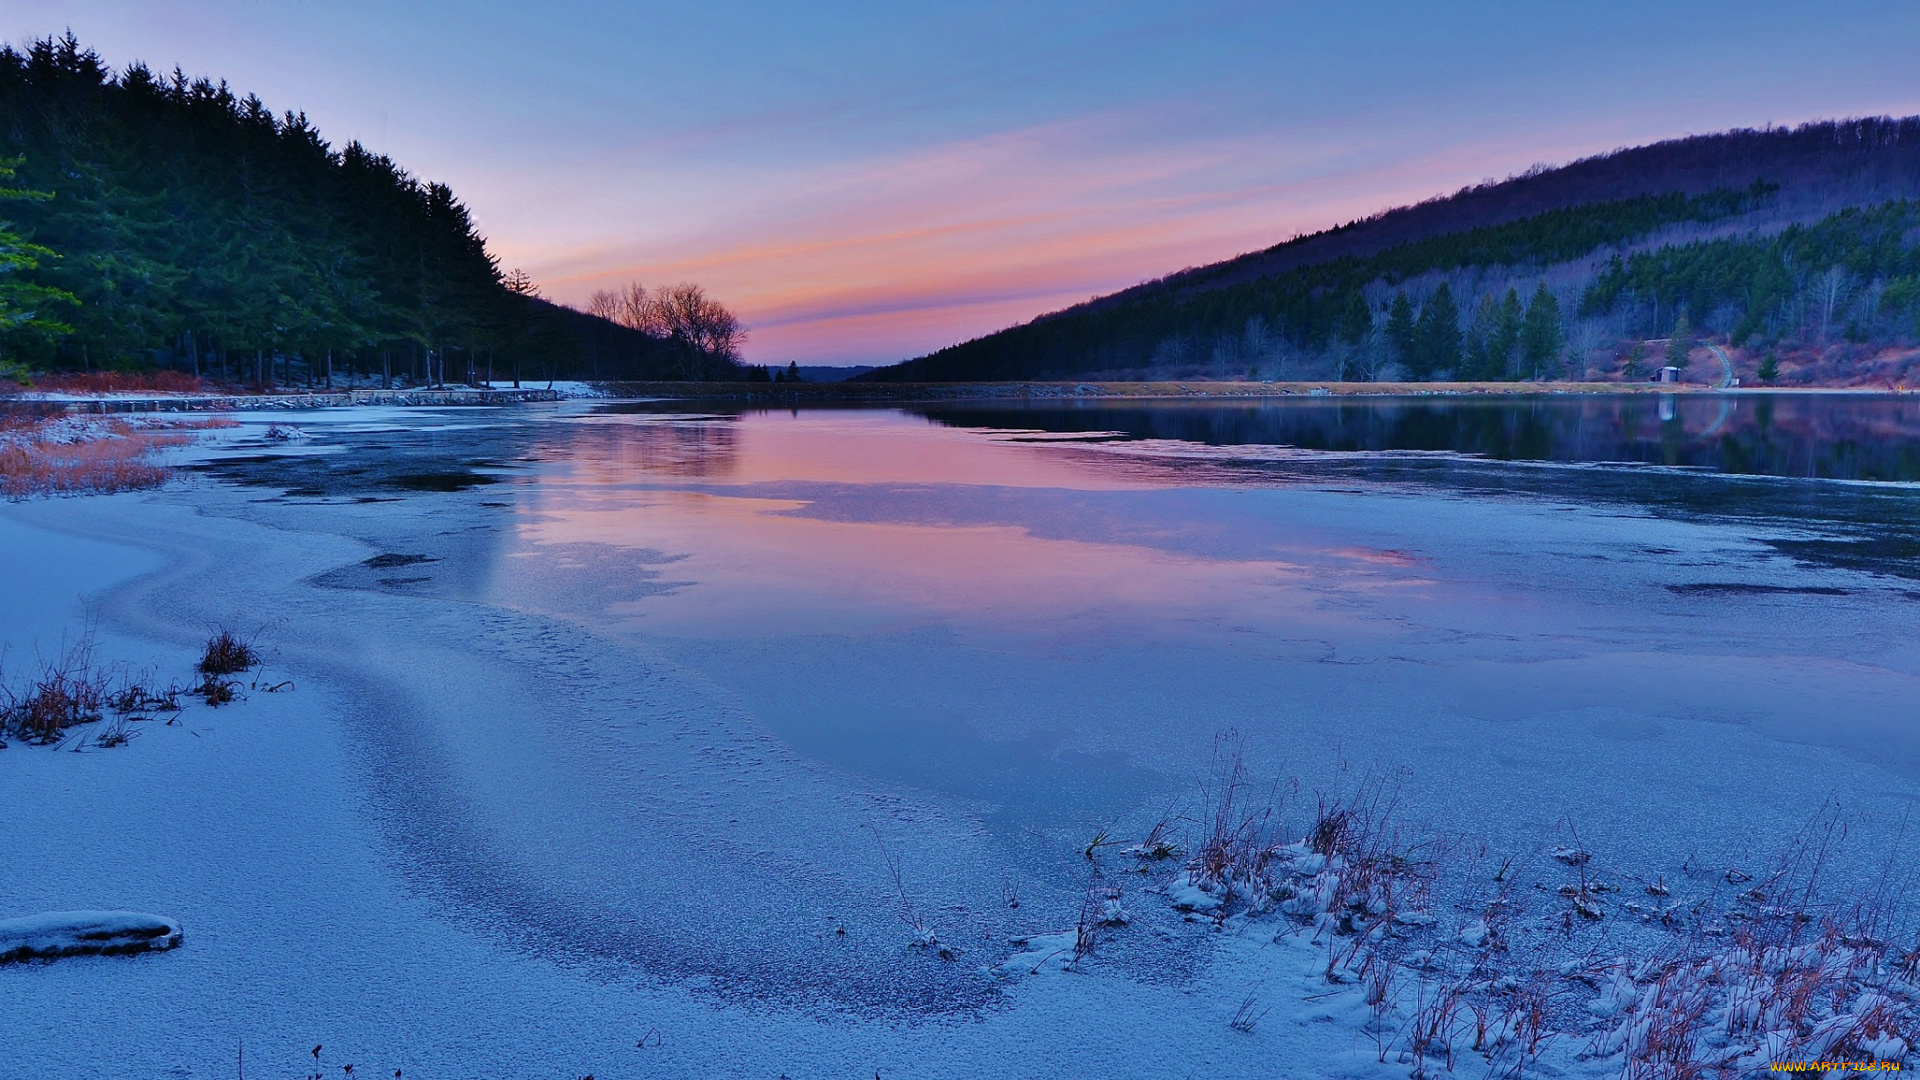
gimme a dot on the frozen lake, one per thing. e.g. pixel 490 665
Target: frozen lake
pixel 695 699
pixel 1043 614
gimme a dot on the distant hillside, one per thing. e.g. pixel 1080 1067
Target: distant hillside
pixel 152 219
pixel 1790 244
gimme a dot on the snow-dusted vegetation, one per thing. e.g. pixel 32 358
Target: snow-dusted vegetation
pixel 1464 968
pixel 50 452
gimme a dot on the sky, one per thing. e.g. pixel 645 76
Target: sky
pixel 867 182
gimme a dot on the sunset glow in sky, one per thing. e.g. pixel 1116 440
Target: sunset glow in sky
pixel 866 182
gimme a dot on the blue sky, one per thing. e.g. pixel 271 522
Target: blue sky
pixel 866 182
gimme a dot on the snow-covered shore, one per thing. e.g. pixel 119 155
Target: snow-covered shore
pixel 267 831
pixel 488 835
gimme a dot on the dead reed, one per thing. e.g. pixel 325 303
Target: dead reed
pixel 227 654
pixel 159 381
pixel 43 452
pixel 1449 961
pixel 67 692
pixel 73 689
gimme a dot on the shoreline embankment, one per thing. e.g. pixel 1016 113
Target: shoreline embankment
pixel 1038 390
pixel 322 399
pixel 856 392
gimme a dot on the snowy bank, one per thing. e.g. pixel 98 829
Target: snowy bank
pixel 85 933
pixel 494 786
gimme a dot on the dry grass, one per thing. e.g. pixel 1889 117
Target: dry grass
pixel 1239 851
pixel 140 695
pixel 217 692
pixel 922 928
pixel 1248 1015
pixel 44 452
pixel 67 692
pixel 86 467
pixel 1100 910
pixel 120 382
pixel 1453 960
pixel 227 654
pixel 73 690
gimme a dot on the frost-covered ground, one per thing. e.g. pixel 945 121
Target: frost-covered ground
pixel 643 745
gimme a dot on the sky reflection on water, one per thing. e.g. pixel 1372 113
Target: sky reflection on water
pixel 873 520
pixel 962 601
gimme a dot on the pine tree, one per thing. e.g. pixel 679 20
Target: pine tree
pixel 1437 335
pixel 1505 339
pixel 27 310
pixel 1356 322
pixel 1492 338
pixel 1400 331
pixel 1541 334
pixel 1478 362
pixel 195 223
pixel 1680 345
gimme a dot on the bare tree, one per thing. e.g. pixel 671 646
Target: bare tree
pixel 633 308
pixel 700 327
pixel 604 304
pixel 1869 303
pixel 1830 291
pixel 1584 341
pixel 1171 354
pixel 1375 354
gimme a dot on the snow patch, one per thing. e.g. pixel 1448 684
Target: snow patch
pixel 82 933
pixel 1187 896
pixel 571 391
pixel 1038 953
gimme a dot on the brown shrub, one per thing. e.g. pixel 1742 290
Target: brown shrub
pixel 39 457
pixel 67 692
pixel 226 654
pixel 120 382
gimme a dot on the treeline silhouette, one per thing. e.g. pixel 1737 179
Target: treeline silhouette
pixel 191 227
pixel 1555 273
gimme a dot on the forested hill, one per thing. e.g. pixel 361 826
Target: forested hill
pixel 1794 245
pixel 160 220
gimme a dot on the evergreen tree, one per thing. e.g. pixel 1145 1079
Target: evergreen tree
pixel 1680 345
pixel 27 310
pixel 1356 322
pixel 1477 359
pixel 1400 331
pixel 1437 335
pixel 1541 334
pixel 1311 297
pixel 194 223
pixel 1505 338
pixel 1492 338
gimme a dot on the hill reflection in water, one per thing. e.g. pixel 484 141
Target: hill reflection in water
pixel 1827 436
